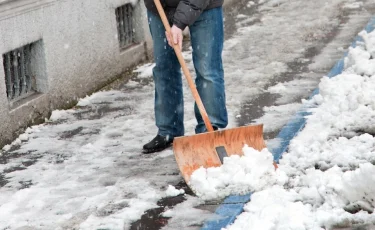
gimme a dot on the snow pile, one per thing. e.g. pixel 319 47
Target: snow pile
pixel 330 163
pixel 238 175
pixel 361 58
pixel 172 191
pixel 327 178
pixel 275 208
pixel 369 39
pixel 319 199
pixel 343 123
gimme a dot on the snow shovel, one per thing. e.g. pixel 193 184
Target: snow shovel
pixel 208 149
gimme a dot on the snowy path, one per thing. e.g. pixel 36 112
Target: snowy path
pixel 330 165
pixel 84 170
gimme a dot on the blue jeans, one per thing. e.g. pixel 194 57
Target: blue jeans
pixel 207 37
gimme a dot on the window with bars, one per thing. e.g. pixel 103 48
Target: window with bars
pixel 17 73
pixel 124 18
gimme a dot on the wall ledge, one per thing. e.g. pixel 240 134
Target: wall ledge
pixel 11 8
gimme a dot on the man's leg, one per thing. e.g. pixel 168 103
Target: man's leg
pixel 207 38
pixel 169 106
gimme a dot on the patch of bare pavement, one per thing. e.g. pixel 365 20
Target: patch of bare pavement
pixel 152 219
pixel 358 227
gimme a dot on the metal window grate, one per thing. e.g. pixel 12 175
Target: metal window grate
pixel 17 79
pixel 124 18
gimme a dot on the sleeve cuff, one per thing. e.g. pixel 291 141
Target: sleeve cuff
pixel 180 25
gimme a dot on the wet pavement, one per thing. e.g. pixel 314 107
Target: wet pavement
pixel 250 110
pixel 356 227
pixel 152 219
pixel 253 109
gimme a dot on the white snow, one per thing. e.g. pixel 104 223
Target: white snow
pixel 186 214
pixel 62 114
pixel 278 88
pixel 86 179
pixel 172 191
pixel 330 164
pixel 238 175
pixel 83 169
pixel 354 5
pixel 133 2
pixel 277 116
pixel 145 71
pixel 250 4
pixel 24 137
pixel 6 147
pixel 239 16
pixel 82 102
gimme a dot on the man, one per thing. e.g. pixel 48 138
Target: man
pixel 205 21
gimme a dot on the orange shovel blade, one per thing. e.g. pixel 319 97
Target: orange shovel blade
pixel 208 149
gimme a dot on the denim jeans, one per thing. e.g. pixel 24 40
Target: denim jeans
pixel 207 37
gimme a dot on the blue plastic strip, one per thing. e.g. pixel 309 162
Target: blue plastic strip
pixel 237 199
pixel 232 206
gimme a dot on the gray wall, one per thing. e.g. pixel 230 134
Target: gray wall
pixel 78 52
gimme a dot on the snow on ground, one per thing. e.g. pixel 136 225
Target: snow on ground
pixel 186 214
pixel 172 191
pixel 276 117
pixel 330 164
pixel 87 174
pixel 145 71
pixel 84 169
pixel 264 51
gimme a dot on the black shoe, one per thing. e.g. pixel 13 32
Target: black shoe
pixel 159 143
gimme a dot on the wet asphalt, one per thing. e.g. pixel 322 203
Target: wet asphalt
pixel 250 110
pixel 253 109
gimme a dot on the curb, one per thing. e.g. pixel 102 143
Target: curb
pixel 232 206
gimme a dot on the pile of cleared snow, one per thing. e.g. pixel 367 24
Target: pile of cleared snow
pixel 327 178
pixel 344 115
pixel 330 163
pixel 317 199
pixel 238 175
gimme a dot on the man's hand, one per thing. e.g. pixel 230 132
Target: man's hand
pixel 175 37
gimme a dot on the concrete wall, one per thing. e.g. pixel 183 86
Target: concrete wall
pixel 77 51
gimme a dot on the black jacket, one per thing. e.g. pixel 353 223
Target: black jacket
pixel 183 13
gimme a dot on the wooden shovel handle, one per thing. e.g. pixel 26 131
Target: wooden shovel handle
pixel 185 70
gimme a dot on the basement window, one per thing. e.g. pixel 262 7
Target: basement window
pixel 124 19
pixel 18 80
